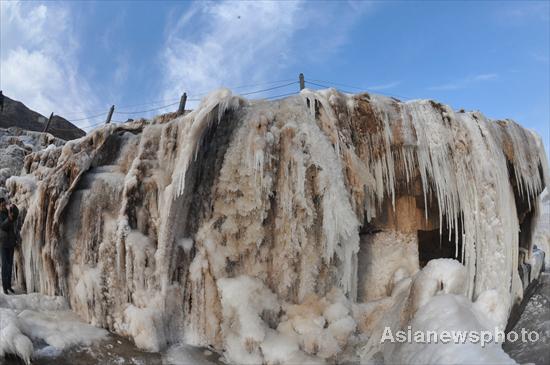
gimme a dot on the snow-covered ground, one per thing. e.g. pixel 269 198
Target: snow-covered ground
pixel 42 330
pixel 35 325
pixel 115 350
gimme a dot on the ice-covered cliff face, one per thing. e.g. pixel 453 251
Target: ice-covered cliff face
pixel 15 144
pixel 260 227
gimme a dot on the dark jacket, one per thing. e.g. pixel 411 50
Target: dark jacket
pixel 8 229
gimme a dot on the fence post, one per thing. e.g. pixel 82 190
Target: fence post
pixel 183 100
pixel 302 82
pixel 110 115
pixel 48 123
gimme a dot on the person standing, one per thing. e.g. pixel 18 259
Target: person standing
pixel 8 241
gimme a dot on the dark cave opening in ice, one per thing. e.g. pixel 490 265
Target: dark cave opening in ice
pixel 436 244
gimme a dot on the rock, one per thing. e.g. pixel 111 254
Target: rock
pixel 16 114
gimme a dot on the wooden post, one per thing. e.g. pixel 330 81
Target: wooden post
pixel 110 115
pixel 48 123
pixel 302 82
pixel 183 100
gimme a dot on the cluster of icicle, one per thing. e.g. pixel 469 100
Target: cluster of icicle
pixel 140 225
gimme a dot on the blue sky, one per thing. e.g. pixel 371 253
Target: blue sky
pixel 78 58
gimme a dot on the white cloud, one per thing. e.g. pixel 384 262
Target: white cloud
pixel 234 43
pixel 465 82
pixel 211 44
pixel 38 62
pixel 216 44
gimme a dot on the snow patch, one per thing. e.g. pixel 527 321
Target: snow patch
pixel 36 319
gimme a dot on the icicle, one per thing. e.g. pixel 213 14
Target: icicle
pixel 193 127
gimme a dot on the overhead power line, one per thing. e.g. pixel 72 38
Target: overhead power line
pixel 354 87
pixel 261 84
pixel 245 86
pixel 280 84
pixel 281 95
pixel 148 103
pixel 269 89
pixel 146 111
pixel 120 106
pixel 173 102
pixel 320 85
pixel 90 117
pixel 338 84
pixel 93 125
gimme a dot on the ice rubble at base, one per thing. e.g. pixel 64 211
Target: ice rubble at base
pixel 25 319
pixel 160 230
pixel 318 326
pixel 449 310
pixel 324 326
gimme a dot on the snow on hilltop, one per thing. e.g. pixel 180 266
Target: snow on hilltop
pixel 287 231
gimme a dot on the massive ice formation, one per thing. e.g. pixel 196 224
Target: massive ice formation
pixel 287 230
pixel 15 144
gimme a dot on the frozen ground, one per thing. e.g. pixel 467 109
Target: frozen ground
pixel 115 350
pixel 60 338
pixel 535 317
pixel 112 350
pixel 54 335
